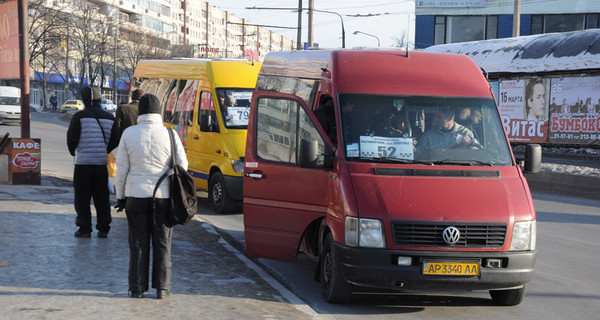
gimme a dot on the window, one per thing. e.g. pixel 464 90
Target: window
pixel 453 29
pixel 207 110
pixel 564 22
pixel 440 30
pixel 281 124
pixel 384 128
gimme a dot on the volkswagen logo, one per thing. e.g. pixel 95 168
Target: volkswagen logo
pixel 451 235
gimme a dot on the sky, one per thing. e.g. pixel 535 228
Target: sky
pixel 383 20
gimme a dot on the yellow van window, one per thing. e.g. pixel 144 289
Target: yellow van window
pixel 184 109
pixel 207 110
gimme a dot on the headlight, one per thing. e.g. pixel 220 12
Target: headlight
pixel 364 233
pixel 523 236
pixel 237 166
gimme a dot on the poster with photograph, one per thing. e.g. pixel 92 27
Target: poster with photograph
pixel 524 108
pixel 575 110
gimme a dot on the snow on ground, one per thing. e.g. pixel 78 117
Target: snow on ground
pixel 569 169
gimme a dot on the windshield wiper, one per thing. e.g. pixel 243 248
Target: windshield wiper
pixel 462 162
pixel 396 160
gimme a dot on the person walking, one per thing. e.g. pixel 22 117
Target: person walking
pixel 126 114
pixel 53 102
pixel 143 156
pixel 91 135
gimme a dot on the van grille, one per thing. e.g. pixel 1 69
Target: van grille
pixel 424 234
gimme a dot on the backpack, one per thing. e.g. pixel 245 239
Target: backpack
pixel 183 202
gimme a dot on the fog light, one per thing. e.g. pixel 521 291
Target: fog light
pixel 494 263
pixel 404 261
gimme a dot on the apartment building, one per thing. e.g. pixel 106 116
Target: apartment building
pixel 125 31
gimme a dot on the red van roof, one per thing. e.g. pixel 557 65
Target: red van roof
pixel 383 71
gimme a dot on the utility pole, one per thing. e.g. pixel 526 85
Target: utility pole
pixel 517 18
pixel 311 12
pixel 23 12
pixel 299 33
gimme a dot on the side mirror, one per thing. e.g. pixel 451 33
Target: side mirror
pixel 309 152
pixel 204 126
pixel 533 158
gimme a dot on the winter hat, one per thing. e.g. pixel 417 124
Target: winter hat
pixel 89 94
pixel 136 94
pixel 149 104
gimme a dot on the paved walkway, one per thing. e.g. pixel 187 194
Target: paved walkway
pixel 46 273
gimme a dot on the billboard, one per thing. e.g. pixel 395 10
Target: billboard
pixel 524 108
pixel 575 111
pixel 9 40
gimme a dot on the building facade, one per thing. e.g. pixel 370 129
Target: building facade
pixel 445 21
pixel 99 42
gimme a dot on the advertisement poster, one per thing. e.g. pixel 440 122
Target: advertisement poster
pixel 575 110
pixel 9 40
pixel 524 108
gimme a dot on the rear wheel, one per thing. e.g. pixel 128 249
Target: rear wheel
pixel 510 297
pixel 334 287
pixel 218 196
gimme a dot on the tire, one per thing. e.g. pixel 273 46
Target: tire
pixel 334 287
pixel 219 199
pixel 510 297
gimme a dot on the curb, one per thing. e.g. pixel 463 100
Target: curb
pixel 575 185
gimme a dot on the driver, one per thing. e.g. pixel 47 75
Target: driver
pixel 446 133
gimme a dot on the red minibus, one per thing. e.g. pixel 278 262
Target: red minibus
pixel 392 169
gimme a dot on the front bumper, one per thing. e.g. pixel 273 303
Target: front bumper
pixel 377 268
pixel 10 119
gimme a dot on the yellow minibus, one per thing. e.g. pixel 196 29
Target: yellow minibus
pixel 207 101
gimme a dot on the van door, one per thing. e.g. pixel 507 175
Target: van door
pixel 201 139
pixel 281 198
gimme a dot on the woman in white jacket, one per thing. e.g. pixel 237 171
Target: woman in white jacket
pixel 144 155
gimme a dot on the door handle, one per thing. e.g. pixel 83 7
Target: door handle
pixel 196 137
pixel 255 175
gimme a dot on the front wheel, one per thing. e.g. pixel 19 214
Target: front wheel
pixel 511 297
pixel 334 287
pixel 218 196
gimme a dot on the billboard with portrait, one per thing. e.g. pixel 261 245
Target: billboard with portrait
pixel 524 108
pixel 575 111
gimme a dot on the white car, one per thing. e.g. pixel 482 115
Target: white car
pixel 108 105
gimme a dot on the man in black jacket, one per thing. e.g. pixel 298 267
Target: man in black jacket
pixel 126 114
pixel 92 134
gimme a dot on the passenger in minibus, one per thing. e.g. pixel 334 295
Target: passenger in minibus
pixel 446 133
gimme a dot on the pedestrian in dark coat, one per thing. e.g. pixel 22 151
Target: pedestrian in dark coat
pixel 92 134
pixel 126 114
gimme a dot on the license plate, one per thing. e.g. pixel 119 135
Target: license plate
pixel 451 268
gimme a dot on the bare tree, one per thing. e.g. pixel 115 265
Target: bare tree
pixel 45 29
pixel 89 38
pixel 140 44
pixel 402 40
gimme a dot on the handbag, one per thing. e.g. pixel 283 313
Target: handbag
pixel 183 202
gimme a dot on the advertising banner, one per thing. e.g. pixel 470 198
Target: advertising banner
pixel 9 40
pixel 575 111
pixel 524 109
pixel 25 161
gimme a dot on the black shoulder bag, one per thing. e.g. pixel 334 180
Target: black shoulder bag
pixel 183 202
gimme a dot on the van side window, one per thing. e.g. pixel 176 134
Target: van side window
pixel 207 118
pixel 281 123
pixel 184 109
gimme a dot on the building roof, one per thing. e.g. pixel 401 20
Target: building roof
pixel 545 53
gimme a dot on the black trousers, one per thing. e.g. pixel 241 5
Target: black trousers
pixel 142 232
pixel 91 181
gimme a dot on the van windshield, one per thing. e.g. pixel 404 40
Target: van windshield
pixel 10 101
pixel 423 130
pixel 235 107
